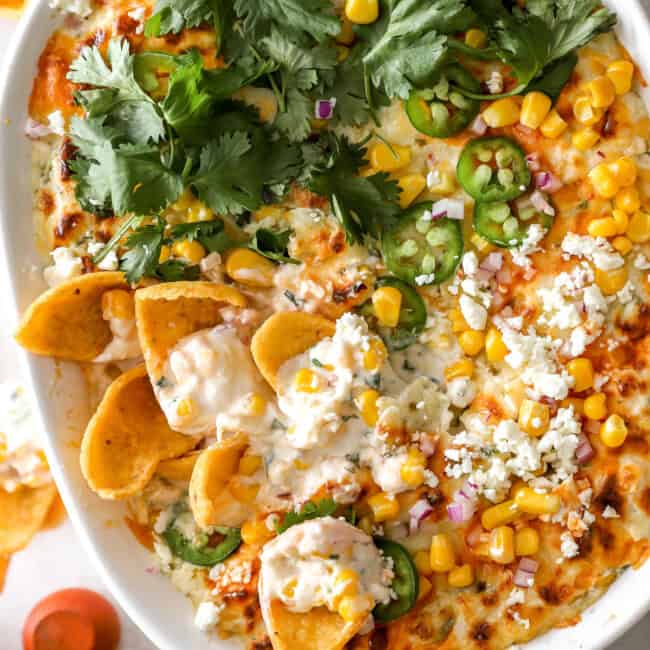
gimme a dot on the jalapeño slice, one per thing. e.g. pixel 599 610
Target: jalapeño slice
pixel 406 583
pixel 202 554
pixel 507 224
pixel 149 67
pixel 493 169
pixel 421 250
pixel 443 111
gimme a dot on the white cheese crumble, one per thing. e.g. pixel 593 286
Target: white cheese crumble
pixel 569 547
pixel 66 265
pixel 610 513
pixel 56 123
pixel 110 261
pixel 530 245
pixel 596 249
pixel 82 8
pixel 207 615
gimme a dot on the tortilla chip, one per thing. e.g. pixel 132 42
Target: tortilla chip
pixel 127 437
pixel 211 501
pixel 178 469
pixel 66 322
pixel 166 313
pixel 23 514
pixel 4 567
pixel 317 629
pixel 284 336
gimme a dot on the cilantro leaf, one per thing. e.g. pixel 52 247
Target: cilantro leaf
pixel 210 234
pixel 144 246
pixel 310 510
pixel 177 270
pixel 273 245
pixel 173 16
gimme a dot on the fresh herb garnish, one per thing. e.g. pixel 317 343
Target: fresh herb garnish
pixel 310 510
pixel 210 234
pixel 273 245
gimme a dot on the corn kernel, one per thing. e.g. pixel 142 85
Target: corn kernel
pixel 458 322
pixel 367 404
pixel 424 588
pixel 471 342
pixel 249 464
pixel 256 405
pixel 411 186
pixel 384 158
pixel 596 406
pixel 242 491
pixel 482 245
pixel 353 608
pixel 585 112
pixel 603 227
pixel 462 368
pixel 476 38
pixel 412 471
pixel 535 109
pixel 628 200
pixel 582 372
pixel 553 126
pixel 604 181
pixel 611 282
pixel 526 541
pixel 621 73
pixel 622 221
pixel 623 245
pixel 423 563
pixel 346 35
pixel 613 432
pixel 306 381
pixel 250 268
pixel 165 254
pixel 534 417
pixel 185 408
pixel 502 112
pixel 639 229
pixel 625 170
pixel 585 139
pixel 383 506
pixel 189 250
pixel 534 503
pixel 442 555
pixel 462 576
pixel 502 545
pixel 346 583
pixel 499 515
pixel 495 349
pixel 603 92
pixel 269 212
pixel 375 356
pixel 289 589
pixel 362 12
pixel 255 531
pixel 118 303
pixel 387 302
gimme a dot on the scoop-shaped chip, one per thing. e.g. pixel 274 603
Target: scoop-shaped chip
pixel 127 437
pixel 211 500
pixel 166 313
pixel 178 469
pixel 284 336
pixel 66 322
pixel 23 514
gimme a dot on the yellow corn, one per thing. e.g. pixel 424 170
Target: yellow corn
pixel 585 139
pixel 639 229
pixel 499 515
pixel 349 610
pixel 471 342
pixel 502 545
pixel 190 250
pixel 585 112
pixel 269 212
pixel 444 183
pixel 462 368
pixel 534 503
pixel 503 112
pixel 443 558
pixel 165 253
pixel 535 109
pixel 412 471
pixel 611 282
pixel 603 227
pixel 476 38
pixel 383 506
pixel 243 492
pixel 553 126
pixel 621 73
pixel 582 371
pixel 623 245
pixel 495 348
pixel 389 159
pixel 289 589
pixel 185 408
pixel 526 541
pixel 458 322
pixel 423 563
pixel 534 417
pixel 603 92
pixel 199 212
pixel 411 186
pixel 256 405
pixel 306 381
pixel 255 531
pixel 628 200
pixel 375 356
pixel 596 406
pixel 462 576
pixel 387 302
pixel 625 170
pixel 604 181
pixel 613 431
pixel 346 35
pixel 367 403
pixel 362 12
pixel 249 464
pixel 424 588
pixel 622 221
pixel 250 268
pixel 347 584
pixel 118 303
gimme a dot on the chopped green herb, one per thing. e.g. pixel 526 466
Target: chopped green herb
pixel 311 510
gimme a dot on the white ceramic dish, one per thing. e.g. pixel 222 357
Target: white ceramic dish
pixel 156 607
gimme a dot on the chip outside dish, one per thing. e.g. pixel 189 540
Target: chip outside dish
pixel 163 613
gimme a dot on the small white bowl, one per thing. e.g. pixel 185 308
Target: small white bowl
pixel 162 613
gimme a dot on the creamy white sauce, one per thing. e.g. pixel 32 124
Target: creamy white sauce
pixel 124 344
pixel 65 266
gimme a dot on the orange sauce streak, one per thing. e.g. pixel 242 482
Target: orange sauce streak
pixel 143 534
pixel 11 4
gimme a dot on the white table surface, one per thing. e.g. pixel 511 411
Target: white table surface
pixel 55 559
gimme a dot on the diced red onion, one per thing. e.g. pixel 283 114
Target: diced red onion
pixel 547 182
pixel 504 275
pixel 428 445
pixel 36 130
pixel 540 203
pixel 528 564
pixel 469 491
pixel 450 208
pixel 479 125
pixel 324 108
pixel 498 299
pixel 584 451
pixel 420 511
pixel 492 262
pixel 525 573
pixel 532 160
pixel 460 511
pixel 482 275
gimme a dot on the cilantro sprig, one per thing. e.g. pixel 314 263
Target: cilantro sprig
pixel 310 510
